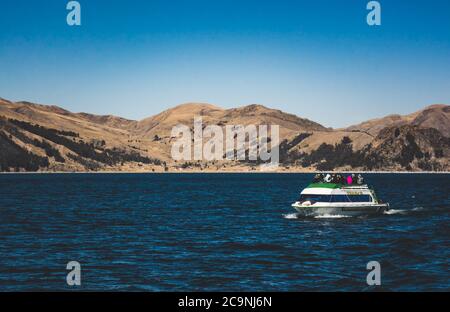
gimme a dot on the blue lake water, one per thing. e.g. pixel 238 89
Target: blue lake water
pixel 216 232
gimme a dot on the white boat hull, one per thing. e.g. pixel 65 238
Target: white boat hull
pixel 340 210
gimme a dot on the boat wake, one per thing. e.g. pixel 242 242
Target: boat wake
pixel 395 211
pixel 325 216
pixel 403 211
pixel 328 216
pixel 299 216
pixel 291 216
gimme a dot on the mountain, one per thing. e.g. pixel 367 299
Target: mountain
pixel 55 117
pixel 434 116
pixel 397 148
pixel 35 137
pixel 162 123
pixel 412 147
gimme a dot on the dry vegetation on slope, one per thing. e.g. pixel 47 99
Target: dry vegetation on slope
pixel 37 137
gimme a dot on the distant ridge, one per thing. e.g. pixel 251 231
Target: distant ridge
pixel 433 116
pixel 36 137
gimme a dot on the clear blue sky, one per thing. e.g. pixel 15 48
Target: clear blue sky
pixel 318 59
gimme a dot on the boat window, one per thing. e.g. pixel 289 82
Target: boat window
pixel 315 198
pixel 340 199
pixel 351 198
pixel 360 198
pixel 336 198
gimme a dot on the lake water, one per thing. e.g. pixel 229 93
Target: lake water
pixel 216 232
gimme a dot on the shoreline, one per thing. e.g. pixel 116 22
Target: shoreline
pixel 222 172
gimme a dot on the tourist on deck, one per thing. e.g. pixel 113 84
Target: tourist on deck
pixel 349 180
pixel 332 177
pixel 318 178
pixel 360 179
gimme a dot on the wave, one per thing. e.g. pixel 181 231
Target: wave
pixel 291 216
pixel 325 216
pixel 403 211
pixel 395 211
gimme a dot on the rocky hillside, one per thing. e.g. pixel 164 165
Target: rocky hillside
pixel 37 137
pixel 410 147
pixel 434 116
pixel 402 148
pixel 162 123
pixel 31 147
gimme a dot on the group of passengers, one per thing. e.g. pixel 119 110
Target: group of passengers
pixel 338 178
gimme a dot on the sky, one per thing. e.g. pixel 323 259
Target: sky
pixel 316 59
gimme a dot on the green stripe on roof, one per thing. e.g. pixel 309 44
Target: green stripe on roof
pixel 325 185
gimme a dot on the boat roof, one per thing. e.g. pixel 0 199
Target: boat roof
pixel 335 185
pixel 334 188
pixel 325 185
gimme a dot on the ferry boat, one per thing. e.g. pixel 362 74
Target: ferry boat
pixel 338 199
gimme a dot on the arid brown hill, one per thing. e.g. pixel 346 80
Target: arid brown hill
pixel 36 137
pixel 434 116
